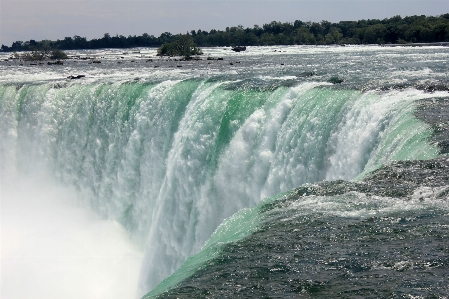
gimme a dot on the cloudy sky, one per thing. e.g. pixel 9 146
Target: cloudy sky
pixel 40 19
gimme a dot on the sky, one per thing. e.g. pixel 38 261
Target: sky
pixel 22 20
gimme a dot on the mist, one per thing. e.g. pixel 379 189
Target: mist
pixel 53 247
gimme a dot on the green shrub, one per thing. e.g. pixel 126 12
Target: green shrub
pixel 182 46
pixel 43 54
pixel 58 54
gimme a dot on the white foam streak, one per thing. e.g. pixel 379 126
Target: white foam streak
pixel 359 205
pixel 172 232
pixel 358 133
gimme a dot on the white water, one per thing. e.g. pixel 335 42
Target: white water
pixel 52 247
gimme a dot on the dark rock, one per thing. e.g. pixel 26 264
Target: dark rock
pixel 239 49
pixel 59 62
pixel 76 77
pixel 307 74
pixel 434 87
pixel 336 80
pixel 211 58
pixel 96 61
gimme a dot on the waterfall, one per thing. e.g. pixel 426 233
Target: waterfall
pixel 171 160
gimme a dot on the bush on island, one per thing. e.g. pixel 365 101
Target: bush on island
pixel 182 46
pixel 58 54
pixel 44 53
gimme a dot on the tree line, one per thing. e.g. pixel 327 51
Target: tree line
pixel 395 30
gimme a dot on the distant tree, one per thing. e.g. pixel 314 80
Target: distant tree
pixel 298 24
pixel 416 29
pixel 441 32
pixel 304 37
pixel 326 25
pixel 17 46
pixel 316 29
pixel 333 36
pixel 257 30
pixel 67 43
pixel 375 34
